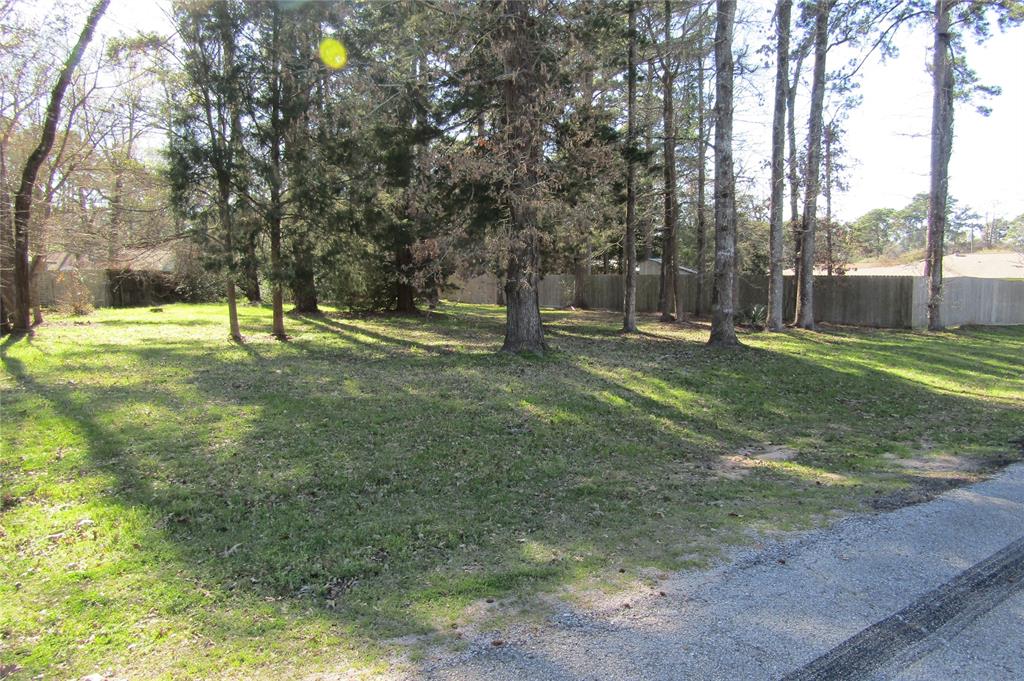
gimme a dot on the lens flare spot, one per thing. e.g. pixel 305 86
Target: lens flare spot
pixel 332 53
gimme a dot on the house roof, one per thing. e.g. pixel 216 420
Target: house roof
pixel 681 268
pixel 152 259
pixel 62 261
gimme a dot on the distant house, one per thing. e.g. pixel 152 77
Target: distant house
pixel 68 262
pixel 145 260
pixel 653 266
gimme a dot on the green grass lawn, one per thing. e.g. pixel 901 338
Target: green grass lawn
pixel 178 506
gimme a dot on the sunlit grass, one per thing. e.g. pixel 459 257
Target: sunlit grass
pixel 175 505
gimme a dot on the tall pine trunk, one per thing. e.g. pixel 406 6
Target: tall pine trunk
pixel 250 270
pixel 702 228
pixel 668 256
pixel 224 209
pixel 942 147
pixel 276 270
pixel 581 270
pixel 276 206
pixel 723 331
pixel 405 292
pixel 812 187
pixel 783 10
pixel 224 168
pixel 629 242
pixel 830 253
pixel 303 281
pixel 524 331
pixel 23 199
pixel 794 171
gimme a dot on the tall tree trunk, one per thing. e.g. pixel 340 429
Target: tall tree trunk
pixel 581 271
pixel 224 167
pixel 783 11
pixel 942 148
pixel 648 124
pixel 629 243
pixel 794 171
pixel 668 255
pixel 830 254
pixel 274 217
pixel 524 331
pixel 723 331
pixel 250 271
pixel 405 292
pixel 303 281
pixel 116 215
pixel 276 271
pixel 702 229
pixel 23 199
pixel 805 299
pixel 227 227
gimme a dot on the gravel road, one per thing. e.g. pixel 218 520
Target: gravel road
pixel 795 608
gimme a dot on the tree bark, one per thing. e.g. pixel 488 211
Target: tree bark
pixel 227 227
pixel 276 207
pixel 668 255
pixel 405 292
pixel 224 167
pixel 23 199
pixel 830 254
pixel 524 331
pixel 794 172
pixel 629 243
pixel 581 271
pixel 647 122
pixel 250 270
pixel 723 331
pixel 805 299
pixel 941 149
pixel 783 11
pixel 702 151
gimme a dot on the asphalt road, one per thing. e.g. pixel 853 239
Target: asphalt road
pixel 932 591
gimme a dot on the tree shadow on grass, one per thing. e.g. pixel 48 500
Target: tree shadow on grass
pixel 389 494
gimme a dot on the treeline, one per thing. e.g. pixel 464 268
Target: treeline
pixel 363 154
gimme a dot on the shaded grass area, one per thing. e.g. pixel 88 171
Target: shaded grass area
pixel 176 505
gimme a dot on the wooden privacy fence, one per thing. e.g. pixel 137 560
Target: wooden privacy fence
pixel 897 302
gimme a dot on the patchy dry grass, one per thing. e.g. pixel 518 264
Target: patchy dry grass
pixel 177 506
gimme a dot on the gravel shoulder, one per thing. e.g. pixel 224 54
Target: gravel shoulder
pixel 779 606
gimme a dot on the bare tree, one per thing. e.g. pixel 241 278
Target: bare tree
pixel 667 303
pixel 23 199
pixel 629 243
pixel 783 10
pixel 805 297
pixel 723 331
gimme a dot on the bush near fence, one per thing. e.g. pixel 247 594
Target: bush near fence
pixel 896 302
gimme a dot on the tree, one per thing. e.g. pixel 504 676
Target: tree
pixel 205 143
pixel 629 242
pixel 805 286
pixel 701 207
pixel 783 10
pixel 723 331
pixel 521 87
pixel 941 150
pixel 667 301
pixel 23 199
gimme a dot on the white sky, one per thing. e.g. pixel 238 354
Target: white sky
pixel 887 136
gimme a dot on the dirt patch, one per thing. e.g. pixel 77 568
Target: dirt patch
pixel 739 465
pixel 929 475
pixel 922 489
